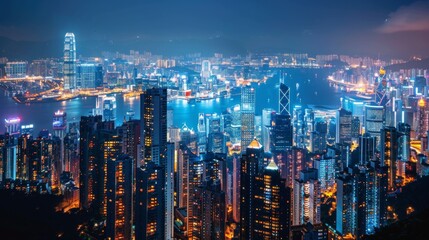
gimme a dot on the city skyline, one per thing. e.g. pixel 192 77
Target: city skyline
pixel 214 120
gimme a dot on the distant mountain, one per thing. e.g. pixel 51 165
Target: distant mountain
pixel 28 50
pixel 420 64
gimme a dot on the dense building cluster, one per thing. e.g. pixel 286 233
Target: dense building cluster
pixel 298 172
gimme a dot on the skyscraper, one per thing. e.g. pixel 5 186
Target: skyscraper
pixel 389 153
pixel 119 198
pixel 92 167
pixel 247 116
pixel 306 198
pixel 69 67
pixel 344 126
pixel 153 124
pixel 149 215
pixel 156 168
pixel 271 205
pixel 251 166
pixel 284 99
pixel 281 133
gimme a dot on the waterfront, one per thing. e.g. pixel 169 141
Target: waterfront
pixel 308 86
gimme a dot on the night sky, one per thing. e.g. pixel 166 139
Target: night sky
pixel 385 28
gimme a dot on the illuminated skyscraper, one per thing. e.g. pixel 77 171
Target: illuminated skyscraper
pixel 247 116
pixel 326 172
pixel 306 198
pixel 69 66
pixel 281 133
pixel 119 198
pixel 251 166
pixel 422 118
pixel 153 124
pixel 149 216
pixel 368 148
pixel 202 136
pixel 59 124
pixel 86 75
pixel 284 98
pixel 106 107
pixel 346 214
pixel 156 167
pixel 13 126
pixel 93 132
pixel 389 153
pixel 271 205
pixel 344 126
pixel 374 121
pixel 213 211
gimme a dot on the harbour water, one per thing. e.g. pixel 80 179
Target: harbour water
pixel 308 86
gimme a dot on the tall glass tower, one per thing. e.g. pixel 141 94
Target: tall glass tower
pixel 69 67
pixel 247 116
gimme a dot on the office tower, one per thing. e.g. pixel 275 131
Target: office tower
pixel 205 70
pixel 119 197
pixel 215 168
pixel 149 218
pixel 295 163
pixel 16 69
pixel 212 215
pixel 214 124
pixel 236 177
pixel 346 214
pixel 184 157
pixel 69 66
pixel 371 199
pixel 9 157
pixel 153 124
pixel 266 127
pixel 271 205
pixel 112 148
pixel 156 150
pixel 306 198
pixel 131 138
pixel 236 124
pixel 195 180
pixel 86 76
pixel 91 163
pixel 12 126
pixel 27 129
pixel 422 118
pixel 189 138
pixel 326 172
pixel 361 200
pixel 106 107
pixel 59 124
pixel 298 127
pixel 281 133
pixel 367 149
pixel 99 76
pixel 404 147
pixel 374 120
pixel 344 126
pixel 318 137
pixel 22 157
pixel 355 127
pixel 251 165
pixel 389 153
pixel 202 135
pixel 216 143
pixel 284 99
pixel 247 116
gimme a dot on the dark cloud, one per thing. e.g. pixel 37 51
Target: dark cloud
pixel 414 17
